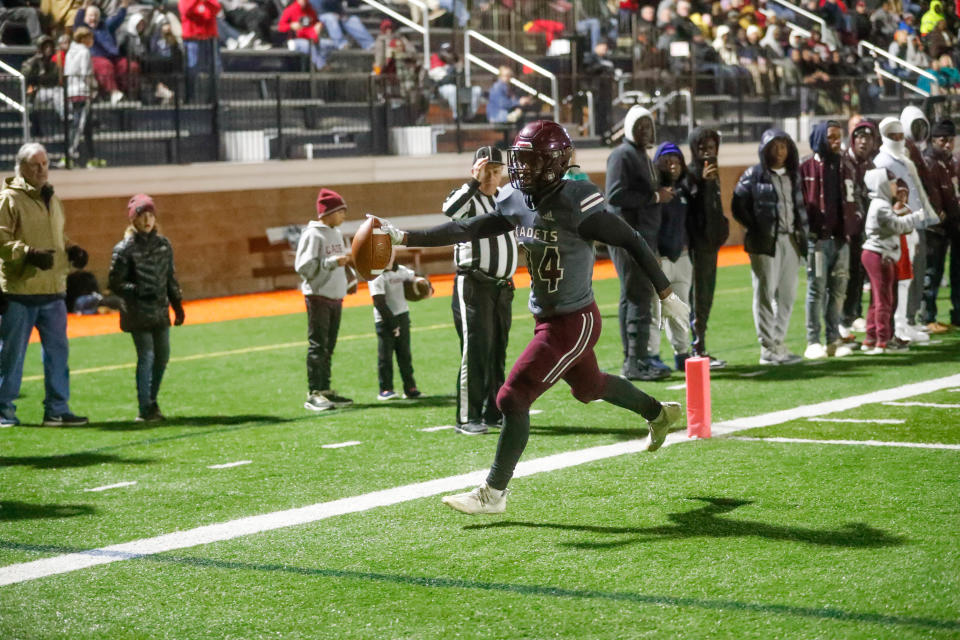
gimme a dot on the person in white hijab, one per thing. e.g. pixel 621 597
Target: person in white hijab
pixel 893 156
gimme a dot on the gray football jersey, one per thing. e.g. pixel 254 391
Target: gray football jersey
pixel 559 260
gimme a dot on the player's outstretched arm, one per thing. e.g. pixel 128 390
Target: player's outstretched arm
pixel 612 230
pixel 485 226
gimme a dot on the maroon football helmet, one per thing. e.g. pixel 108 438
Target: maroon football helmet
pixel 539 156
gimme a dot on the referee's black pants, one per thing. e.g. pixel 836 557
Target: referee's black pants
pixel 482 313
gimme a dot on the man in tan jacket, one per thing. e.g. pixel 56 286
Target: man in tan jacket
pixel 34 257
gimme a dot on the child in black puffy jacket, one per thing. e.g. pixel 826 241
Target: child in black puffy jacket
pixel 142 273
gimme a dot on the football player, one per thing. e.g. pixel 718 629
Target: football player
pixel 556 222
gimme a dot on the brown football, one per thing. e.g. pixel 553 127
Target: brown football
pixel 418 289
pixel 371 249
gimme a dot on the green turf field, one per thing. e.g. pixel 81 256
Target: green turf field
pixel 734 537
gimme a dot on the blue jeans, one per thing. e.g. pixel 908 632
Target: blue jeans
pixel 318 51
pixel 153 353
pixel 828 269
pixel 594 28
pixel 336 25
pixel 458 9
pixel 50 319
pixel 202 56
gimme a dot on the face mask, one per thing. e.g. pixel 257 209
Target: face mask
pixel 896 147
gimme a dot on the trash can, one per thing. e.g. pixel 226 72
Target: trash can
pixel 413 141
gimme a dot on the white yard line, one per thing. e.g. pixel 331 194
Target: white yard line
pixel 930 405
pixel 753 374
pixel 859 420
pixel 227 465
pixel 340 445
pixel 113 486
pixel 440 428
pixel 865 443
pixel 534 412
pixel 676 387
pixel 251 525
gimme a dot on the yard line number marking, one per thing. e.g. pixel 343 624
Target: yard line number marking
pixel 250 525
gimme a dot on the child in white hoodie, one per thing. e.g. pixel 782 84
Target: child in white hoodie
pixel 81 88
pixel 887 219
pixel 321 257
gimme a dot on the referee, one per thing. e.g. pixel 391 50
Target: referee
pixel 482 297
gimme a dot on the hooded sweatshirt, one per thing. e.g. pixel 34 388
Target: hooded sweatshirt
pixel 940 168
pixel 672 239
pixel 884 227
pixel 860 167
pixel 829 189
pixel 893 156
pixel 632 181
pixel 707 226
pixel 768 202
pixel 319 248
pixel 28 221
pixel 911 115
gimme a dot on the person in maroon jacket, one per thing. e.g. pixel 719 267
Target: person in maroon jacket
pixel 198 19
pixel 299 21
pixel 938 158
pixel 834 214
pixel 864 143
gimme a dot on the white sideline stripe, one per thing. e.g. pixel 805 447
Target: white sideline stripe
pixel 113 486
pixel 676 387
pixel 753 374
pixel 340 445
pixel 440 428
pixel 954 390
pixel 866 443
pixel 227 465
pixel 833 406
pixel 250 525
pixel 932 405
pixel 534 412
pixel 859 420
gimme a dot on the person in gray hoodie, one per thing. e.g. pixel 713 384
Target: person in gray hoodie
pixel 768 202
pixel 320 261
pixel 887 220
pixel 634 192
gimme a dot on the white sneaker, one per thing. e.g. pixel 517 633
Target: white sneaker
pixel 483 499
pixel 859 325
pixel 245 40
pixel 116 96
pixel 815 351
pixel 916 335
pixel 845 332
pixel 316 402
pixel 659 427
pixel 769 357
pixel 838 349
pixel 873 351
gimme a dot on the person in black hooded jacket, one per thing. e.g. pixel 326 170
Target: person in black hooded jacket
pixel 141 272
pixel 768 202
pixel 707 229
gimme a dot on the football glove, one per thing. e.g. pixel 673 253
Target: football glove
pixel 672 306
pixel 396 235
pixel 40 258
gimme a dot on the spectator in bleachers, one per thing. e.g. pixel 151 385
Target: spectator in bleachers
pixel 940 41
pixel 59 14
pixel 251 19
pixel 132 41
pixel 23 13
pixel 162 60
pixel 81 80
pixel 597 22
pixel 682 22
pixel 396 60
pixel 884 22
pixel 503 105
pixel 601 74
pixel 302 26
pixel 60 55
pixel 459 10
pixel 198 19
pixel 860 22
pixel 115 74
pixel 335 20
pixel 444 67
pixel 42 79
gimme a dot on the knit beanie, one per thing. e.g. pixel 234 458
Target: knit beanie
pixel 665 148
pixel 329 201
pixel 944 129
pixel 138 204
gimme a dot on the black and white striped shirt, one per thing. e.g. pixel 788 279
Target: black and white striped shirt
pixel 497 256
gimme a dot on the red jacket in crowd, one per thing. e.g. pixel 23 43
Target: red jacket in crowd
pixel 199 18
pixel 300 21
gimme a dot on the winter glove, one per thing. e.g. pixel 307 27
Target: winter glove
pixel 178 315
pixel 673 307
pixel 4 303
pixel 78 256
pixel 40 258
pixel 396 235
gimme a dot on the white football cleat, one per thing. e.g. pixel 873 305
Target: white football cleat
pixel 316 402
pixel 659 427
pixel 815 351
pixel 483 499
